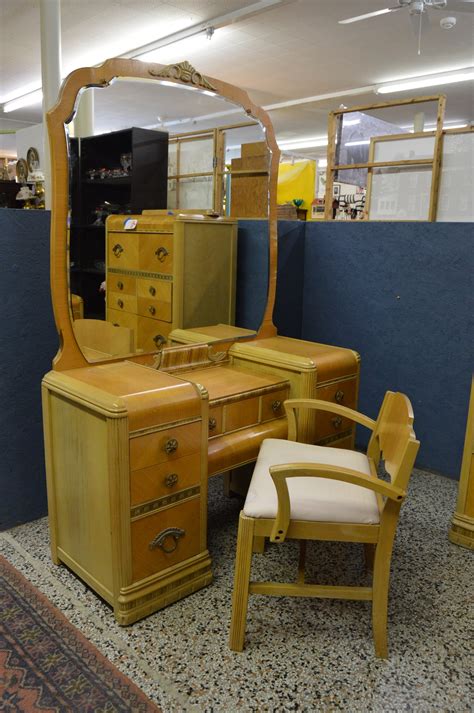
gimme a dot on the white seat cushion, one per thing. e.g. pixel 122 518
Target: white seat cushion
pixel 315 499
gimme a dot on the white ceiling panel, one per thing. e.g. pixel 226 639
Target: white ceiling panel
pixel 294 50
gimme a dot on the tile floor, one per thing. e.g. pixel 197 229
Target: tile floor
pixel 301 654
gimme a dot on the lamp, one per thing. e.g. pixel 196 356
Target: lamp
pixel 428 80
pixel 34 97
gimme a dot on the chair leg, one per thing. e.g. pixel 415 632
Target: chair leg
pixel 369 551
pixel 259 545
pixel 380 585
pixel 240 596
pixel 302 562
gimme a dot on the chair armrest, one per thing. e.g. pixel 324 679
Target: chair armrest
pixel 317 404
pixel 280 473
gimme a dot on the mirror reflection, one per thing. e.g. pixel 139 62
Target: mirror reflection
pixel 159 173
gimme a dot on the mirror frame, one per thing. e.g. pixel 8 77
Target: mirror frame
pixel 69 355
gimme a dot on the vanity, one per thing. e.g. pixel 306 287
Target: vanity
pixel 131 440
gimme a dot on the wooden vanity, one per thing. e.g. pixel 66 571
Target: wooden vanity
pixel 131 441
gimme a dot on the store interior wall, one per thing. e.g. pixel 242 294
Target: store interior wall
pixel 398 293
pixel 28 343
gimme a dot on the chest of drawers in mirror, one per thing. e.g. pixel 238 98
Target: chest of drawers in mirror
pixel 167 271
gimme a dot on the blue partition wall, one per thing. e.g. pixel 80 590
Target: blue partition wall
pixel 28 343
pixel 401 294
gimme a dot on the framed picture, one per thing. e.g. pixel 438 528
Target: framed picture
pixel 336 189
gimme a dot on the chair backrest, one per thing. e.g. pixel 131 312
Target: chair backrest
pixel 104 336
pixel 394 438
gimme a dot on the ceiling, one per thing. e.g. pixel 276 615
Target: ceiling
pixel 291 51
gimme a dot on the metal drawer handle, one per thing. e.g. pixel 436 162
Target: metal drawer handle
pixel 160 540
pixel 171 446
pixel 161 253
pixel 212 424
pixel 276 406
pixel 171 480
pixel 120 285
pixel 152 291
pixel 120 303
pixel 159 340
pixel 152 310
pixel 339 396
pixel 117 250
pixel 336 421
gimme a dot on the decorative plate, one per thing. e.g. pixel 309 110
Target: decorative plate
pixel 32 159
pixel 21 170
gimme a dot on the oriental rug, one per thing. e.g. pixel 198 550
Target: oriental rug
pixel 47 665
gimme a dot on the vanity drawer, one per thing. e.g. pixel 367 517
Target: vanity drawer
pixel 241 414
pixel 152 333
pixel 122 251
pixel 150 554
pixel 122 319
pixel 341 392
pixel 154 309
pixel 125 284
pixel 156 252
pixel 272 404
pixel 163 479
pixel 164 446
pixel 215 421
pixel 122 302
pixel 161 290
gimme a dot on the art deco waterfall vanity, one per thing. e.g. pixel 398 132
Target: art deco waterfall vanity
pixel 130 441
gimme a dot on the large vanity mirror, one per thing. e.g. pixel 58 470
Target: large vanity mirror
pixel 151 168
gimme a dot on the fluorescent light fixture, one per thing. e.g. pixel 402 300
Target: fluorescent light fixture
pixel 451 126
pixel 179 49
pixel 26 100
pixel 431 126
pixel 428 80
pixel 368 14
pixel 350 122
pixel 364 142
pixel 303 143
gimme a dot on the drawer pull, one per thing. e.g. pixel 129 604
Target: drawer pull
pixel 171 446
pixel 339 396
pixel 212 424
pixel 161 254
pixel 120 303
pixel 159 340
pixel 171 480
pixel 117 250
pixel 336 421
pixel 276 406
pixel 152 291
pixel 152 310
pixel 120 285
pixel 160 540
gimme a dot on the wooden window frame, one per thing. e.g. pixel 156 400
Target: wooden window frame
pixel 435 162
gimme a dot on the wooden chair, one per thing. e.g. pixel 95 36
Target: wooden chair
pixel 97 338
pixel 308 492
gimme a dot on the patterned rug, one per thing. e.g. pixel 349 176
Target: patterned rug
pixel 47 665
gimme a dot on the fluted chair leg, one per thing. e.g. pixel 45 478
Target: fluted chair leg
pixel 243 562
pixel 381 583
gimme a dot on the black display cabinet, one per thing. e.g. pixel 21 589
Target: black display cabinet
pixel 99 187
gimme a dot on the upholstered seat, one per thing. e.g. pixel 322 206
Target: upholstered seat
pixel 315 499
pixel 308 492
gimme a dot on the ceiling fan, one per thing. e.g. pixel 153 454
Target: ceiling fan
pixel 418 11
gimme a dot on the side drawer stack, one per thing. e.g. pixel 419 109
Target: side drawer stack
pixel 140 280
pixel 165 475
